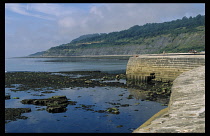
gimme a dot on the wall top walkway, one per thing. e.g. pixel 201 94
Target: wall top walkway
pixel 186 111
pixel 173 55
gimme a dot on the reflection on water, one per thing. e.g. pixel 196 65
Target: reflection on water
pixel 138 94
pixel 133 112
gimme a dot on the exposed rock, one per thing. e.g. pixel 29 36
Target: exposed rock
pixel 117 77
pixel 101 111
pixel 15 113
pixel 54 104
pixel 125 105
pixel 136 103
pixel 59 97
pixel 88 81
pixel 15 98
pixel 7 97
pixel 113 110
pixel 48 92
pixel 105 77
pixel 47 80
pixel 130 97
pixel 56 109
pixel 119 126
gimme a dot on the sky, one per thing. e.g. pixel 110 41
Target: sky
pixel 35 27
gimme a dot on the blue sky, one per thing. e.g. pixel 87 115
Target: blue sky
pixel 33 27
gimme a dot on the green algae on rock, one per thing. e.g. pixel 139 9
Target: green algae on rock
pixel 55 104
pixel 113 110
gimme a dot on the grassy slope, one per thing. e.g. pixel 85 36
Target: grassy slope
pixel 170 43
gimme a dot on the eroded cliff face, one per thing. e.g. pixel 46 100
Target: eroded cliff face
pixel 168 43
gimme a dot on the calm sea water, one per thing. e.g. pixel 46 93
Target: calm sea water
pixel 106 64
pixel 79 120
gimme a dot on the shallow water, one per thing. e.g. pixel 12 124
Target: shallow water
pixel 79 120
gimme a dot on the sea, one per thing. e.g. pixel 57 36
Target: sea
pixel 79 120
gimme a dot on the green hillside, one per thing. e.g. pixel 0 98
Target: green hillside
pixel 179 35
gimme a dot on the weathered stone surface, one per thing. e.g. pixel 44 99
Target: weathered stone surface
pixel 186 111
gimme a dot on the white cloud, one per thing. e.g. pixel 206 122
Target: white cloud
pixel 96 11
pixel 115 17
pixel 25 10
pixel 18 8
pixel 67 22
pixel 56 10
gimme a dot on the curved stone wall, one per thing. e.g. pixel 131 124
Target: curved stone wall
pixel 186 110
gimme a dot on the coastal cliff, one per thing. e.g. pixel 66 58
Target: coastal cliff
pixel 150 45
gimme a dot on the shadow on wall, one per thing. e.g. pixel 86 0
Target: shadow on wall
pixel 138 78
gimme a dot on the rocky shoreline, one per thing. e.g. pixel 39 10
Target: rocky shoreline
pixel 45 82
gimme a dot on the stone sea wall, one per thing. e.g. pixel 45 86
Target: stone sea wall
pixel 186 110
pixel 165 67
